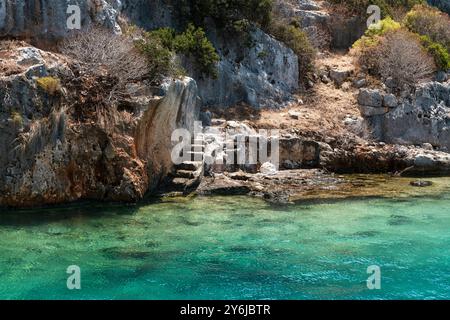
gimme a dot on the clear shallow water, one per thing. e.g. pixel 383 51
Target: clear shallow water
pixel 229 248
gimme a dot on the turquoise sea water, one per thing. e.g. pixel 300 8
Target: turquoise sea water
pixel 229 248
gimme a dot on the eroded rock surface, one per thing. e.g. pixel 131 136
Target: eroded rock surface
pixel 46 20
pixel 263 75
pixel 56 147
pixel 420 118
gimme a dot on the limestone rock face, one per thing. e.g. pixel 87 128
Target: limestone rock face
pixel 263 75
pixel 151 14
pixel 47 19
pixel 179 108
pixel 50 155
pixel 422 118
pixel 298 153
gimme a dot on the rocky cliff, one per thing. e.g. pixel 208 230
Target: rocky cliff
pixel 262 75
pixel 46 20
pixel 56 147
pixel 423 117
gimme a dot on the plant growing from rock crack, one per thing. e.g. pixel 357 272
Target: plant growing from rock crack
pixel 50 85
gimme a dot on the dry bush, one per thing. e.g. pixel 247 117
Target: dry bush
pixel 9 44
pixel 100 50
pixel 401 57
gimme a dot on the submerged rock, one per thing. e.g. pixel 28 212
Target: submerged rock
pixel 420 183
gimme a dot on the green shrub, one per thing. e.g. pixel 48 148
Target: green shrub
pixel 373 33
pixel 226 12
pixel 430 22
pixel 296 39
pixel 165 36
pixel 192 43
pixel 438 51
pixel 382 27
pixel 161 60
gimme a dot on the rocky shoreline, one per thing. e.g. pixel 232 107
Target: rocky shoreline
pixel 294 186
pixel 64 140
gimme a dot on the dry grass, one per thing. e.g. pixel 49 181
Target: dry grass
pixel 321 116
pixel 323 111
pixel 41 133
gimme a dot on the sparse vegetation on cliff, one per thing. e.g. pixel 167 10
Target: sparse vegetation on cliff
pixel 50 85
pixel 398 55
pixel 296 39
pixel 192 43
pixel 402 58
pixel 226 13
pixel 408 51
pixel 236 18
pixel 101 52
pixel 388 7
pixel 434 28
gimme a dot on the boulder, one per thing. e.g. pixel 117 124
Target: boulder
pixel 389 83
pixel 268 168
pixel 367 111
pixel 424 160
pixel 360 83
pixel 421 183
pixel 206 118
pixel 390 100
pixel 294 114
pixel 29 56
pixel 339 76
pixel 370 98
pixel 441 76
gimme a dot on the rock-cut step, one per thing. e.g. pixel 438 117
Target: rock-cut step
pixel 190 165
pixel 187 176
